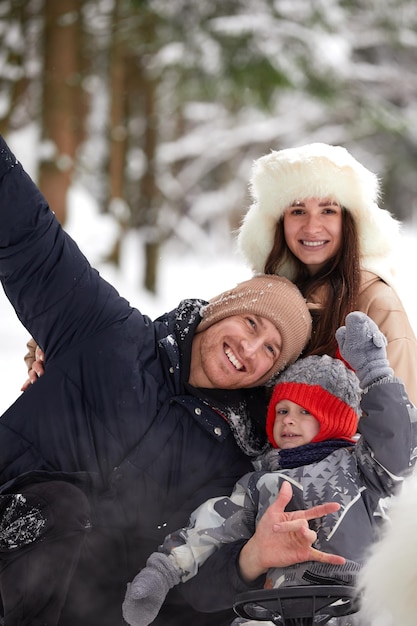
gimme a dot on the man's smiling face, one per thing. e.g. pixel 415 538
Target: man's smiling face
pixel 234 353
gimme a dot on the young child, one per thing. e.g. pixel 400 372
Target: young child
pixel 311 424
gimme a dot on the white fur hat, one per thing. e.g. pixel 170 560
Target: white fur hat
pixel 317 170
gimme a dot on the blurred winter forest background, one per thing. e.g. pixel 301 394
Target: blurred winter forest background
pixel 152 112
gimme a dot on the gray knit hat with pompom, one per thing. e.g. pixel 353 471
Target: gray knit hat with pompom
pixel 327 389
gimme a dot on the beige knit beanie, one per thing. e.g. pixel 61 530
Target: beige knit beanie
pixel 317 170
pixel 272 297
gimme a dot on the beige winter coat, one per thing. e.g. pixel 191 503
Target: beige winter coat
pixel 382 304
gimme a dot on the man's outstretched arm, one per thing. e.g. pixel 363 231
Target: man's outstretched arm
pixel 56 294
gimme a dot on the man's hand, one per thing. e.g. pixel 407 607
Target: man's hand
pixel 34 360
pixel 284 538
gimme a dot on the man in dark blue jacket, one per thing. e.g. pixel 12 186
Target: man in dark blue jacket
pixel 134 424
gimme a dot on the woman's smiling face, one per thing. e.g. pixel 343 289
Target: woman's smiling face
pixel 313 231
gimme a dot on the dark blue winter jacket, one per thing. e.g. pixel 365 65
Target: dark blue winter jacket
pixel 111 413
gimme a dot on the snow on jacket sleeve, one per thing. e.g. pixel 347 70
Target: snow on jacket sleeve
pixel 56 294
pixel 386 451
pixel 217 521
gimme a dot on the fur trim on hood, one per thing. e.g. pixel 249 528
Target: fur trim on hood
pixel 317 170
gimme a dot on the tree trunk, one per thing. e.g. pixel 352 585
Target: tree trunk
pixel 62 93
pixel 118 119
pixel 118 132
pixel 19 111
pixel 145 213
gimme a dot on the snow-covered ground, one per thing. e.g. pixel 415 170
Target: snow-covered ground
pixel 180 277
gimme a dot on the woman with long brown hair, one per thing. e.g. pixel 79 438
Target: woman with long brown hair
pixel 315 219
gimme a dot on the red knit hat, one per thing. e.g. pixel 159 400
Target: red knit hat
pixel 327 389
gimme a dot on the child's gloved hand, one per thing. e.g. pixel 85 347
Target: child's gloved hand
pixel 146 593
pixel 362 345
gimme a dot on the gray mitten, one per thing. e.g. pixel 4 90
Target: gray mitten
pixel 146 593
pixel 362 345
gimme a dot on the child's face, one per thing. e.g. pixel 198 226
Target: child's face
pixel 293 426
